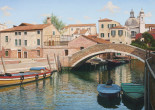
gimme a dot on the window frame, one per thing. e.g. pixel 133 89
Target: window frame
pixel 7 53
pixel 6 39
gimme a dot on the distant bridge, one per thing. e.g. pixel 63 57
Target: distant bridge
pixel 87 53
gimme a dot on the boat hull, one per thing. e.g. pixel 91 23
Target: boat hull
pixel 11 80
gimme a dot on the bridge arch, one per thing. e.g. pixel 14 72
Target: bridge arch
pixel 85 54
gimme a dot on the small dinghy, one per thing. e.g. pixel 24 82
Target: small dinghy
pixel 134 92
pixel 108 89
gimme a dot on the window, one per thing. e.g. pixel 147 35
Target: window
pixel 6 38
pixel 120 42
pixel 102 34
pixel 38 41
pixel 19 41
pixel 109 25
pixel 16 43
pixel 113 42
pixel 25 42
pixel 113 33
pixel 19 33
pixel 133 33
pixel 66 52
pixel 16 33
pixel 81 48
pixel 6 53
pixel 25 33
pixel 102 25
pixel 71 29
pixel 38 53
pixel 108 34
pixel 120 32
pixel 53 32
pixel 38 32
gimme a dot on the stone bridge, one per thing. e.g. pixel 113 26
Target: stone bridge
pixel 87 53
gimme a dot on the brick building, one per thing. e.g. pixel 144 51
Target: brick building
pixel 27 40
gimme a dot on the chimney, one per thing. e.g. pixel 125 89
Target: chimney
pixel 48 20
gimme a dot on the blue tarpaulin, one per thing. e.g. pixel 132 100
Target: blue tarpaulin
pixel 37 68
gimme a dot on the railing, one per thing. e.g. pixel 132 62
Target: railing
pixel 149 82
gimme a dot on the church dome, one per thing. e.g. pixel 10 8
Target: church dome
pixel 132 22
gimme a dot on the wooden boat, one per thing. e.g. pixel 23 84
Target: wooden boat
pixel 108 90
pixel 35 73
pixel 134 92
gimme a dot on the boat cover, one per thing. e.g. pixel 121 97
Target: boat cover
pixel 26 73
pixel 37 68
pixel 103 88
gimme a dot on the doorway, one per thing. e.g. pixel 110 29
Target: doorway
pixel 19 54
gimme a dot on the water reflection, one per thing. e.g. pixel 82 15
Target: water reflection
pixel 71 90
pixel 109 102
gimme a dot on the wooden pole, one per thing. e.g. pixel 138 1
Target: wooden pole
pixel 3 64
pixel 49 62
pixel 55 62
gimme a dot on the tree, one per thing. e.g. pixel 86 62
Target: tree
pixel 59 24
pixel 148 39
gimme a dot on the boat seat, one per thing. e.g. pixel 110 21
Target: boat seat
pixel 8 74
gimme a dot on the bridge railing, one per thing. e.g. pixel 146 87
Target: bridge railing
pixel 149 96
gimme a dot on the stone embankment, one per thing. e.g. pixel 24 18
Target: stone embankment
pixel 18 65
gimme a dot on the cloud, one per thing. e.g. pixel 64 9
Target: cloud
pixel 126 12
pixel 70 19
pixel 78 22
pixel 110 7
pixel 87 17
pixel 149 14
pixel 5 9
pixel 46 15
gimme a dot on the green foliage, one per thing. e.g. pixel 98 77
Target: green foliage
pixel 148 39
pixel 139 44
pixel 56 22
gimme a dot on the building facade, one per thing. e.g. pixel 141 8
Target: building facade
pixel 120 35
pixel 104 27
pixel 3 26
pixel 27 40
pixel 72 31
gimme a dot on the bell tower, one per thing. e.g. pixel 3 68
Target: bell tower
pixel 142 21
pixel 132 14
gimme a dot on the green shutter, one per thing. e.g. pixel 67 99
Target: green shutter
pixel 16 42
pixel 38 41
pixel 19 41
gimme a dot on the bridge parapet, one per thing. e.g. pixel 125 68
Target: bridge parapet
pixel 104 48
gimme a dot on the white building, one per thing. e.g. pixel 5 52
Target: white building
pixel 3 26
pixel 136 25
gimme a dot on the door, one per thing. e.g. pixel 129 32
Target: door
pixel 19 54
pixel 25 54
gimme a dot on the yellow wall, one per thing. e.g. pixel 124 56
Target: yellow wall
pixel 106 30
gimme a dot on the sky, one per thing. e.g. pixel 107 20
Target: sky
pixel 15 12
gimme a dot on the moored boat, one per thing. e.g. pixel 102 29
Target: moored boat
pixel 35 73
pixel 134 92
pixel 108 90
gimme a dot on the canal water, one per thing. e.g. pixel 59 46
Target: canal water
pixel 76 90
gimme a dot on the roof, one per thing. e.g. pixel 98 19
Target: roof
pixel 83 31
pixel 149 25
pixel 95 39
pixel 139 35
pixel 118 27
pixel 104 20
pixel 79 25
pixel 26 27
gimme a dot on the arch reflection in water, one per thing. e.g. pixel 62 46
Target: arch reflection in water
pixel 109 102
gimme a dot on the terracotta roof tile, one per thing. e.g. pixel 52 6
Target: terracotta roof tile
pixel 27 27
pixel 79 25
pixel 83 31
pixel 149 25
pixel 118 27
pixel 95 39
pixel 104 20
